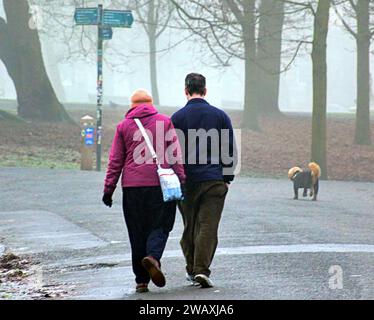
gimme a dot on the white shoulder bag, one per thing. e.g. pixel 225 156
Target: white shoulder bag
pixel 169 181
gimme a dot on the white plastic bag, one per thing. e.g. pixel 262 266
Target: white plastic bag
pixel 170 185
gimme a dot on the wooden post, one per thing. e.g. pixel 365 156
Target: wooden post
pixel 87 142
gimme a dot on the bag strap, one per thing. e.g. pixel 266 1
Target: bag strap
pixel 147 141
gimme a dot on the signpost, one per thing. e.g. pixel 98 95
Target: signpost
pixel 105 21
pixel 107 33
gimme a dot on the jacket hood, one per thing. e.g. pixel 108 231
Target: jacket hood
pixel 141 111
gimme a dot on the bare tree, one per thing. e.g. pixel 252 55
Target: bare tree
pixel 20 50
pixel 228 29
pixel 154 16
pixel 80 42
pixel 361 11
pixel 245 14
pixel 269 55
pixel 251 31
pixel 320 11
pixel 319 57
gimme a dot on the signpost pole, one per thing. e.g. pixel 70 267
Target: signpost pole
pixel 99 87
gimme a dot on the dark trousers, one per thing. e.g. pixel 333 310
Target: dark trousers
pixel 149 221
pixel 201 211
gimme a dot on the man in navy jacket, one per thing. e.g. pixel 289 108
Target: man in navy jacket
pixel 209 150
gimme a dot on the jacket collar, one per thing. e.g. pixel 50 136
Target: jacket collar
pixel 197 101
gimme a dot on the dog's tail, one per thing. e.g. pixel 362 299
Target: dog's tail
pixel 316 169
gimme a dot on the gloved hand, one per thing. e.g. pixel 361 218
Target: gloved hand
pixel 107 199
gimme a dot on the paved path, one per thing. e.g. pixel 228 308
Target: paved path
pixel 271 247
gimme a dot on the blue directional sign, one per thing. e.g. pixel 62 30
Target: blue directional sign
pixel 118 18
pixel 107 33
pixel 89 136
pixel 86 16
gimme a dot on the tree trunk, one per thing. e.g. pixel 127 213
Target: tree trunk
pixel 20 50
pixel 250 117
pixel 363 132
pixel 153 70
pixel 269 55
pixel 152 30
pixel 319 57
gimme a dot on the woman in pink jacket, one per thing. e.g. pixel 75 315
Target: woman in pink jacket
pixel 148 218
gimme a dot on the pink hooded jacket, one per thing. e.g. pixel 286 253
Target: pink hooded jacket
pixel 131 157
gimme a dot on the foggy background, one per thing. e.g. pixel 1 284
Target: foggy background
pixel 75 81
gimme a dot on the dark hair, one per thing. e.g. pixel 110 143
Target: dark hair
pixel 195 83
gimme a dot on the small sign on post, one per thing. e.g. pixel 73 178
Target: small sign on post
pixel 87 142
pixel 107 33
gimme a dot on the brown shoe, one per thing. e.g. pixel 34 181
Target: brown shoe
pixel 142 288
pixel 153 268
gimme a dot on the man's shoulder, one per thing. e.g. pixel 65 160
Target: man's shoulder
pixel 178 113
pixel 207 106
pixel 216 109
pixel 219 112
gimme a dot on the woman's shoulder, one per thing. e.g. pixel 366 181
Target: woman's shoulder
pixel 123 125
pixel 128 123
pixel 163 117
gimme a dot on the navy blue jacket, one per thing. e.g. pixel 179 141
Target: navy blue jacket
pixel 206 159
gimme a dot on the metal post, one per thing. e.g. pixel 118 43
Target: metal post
pixel 99 87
